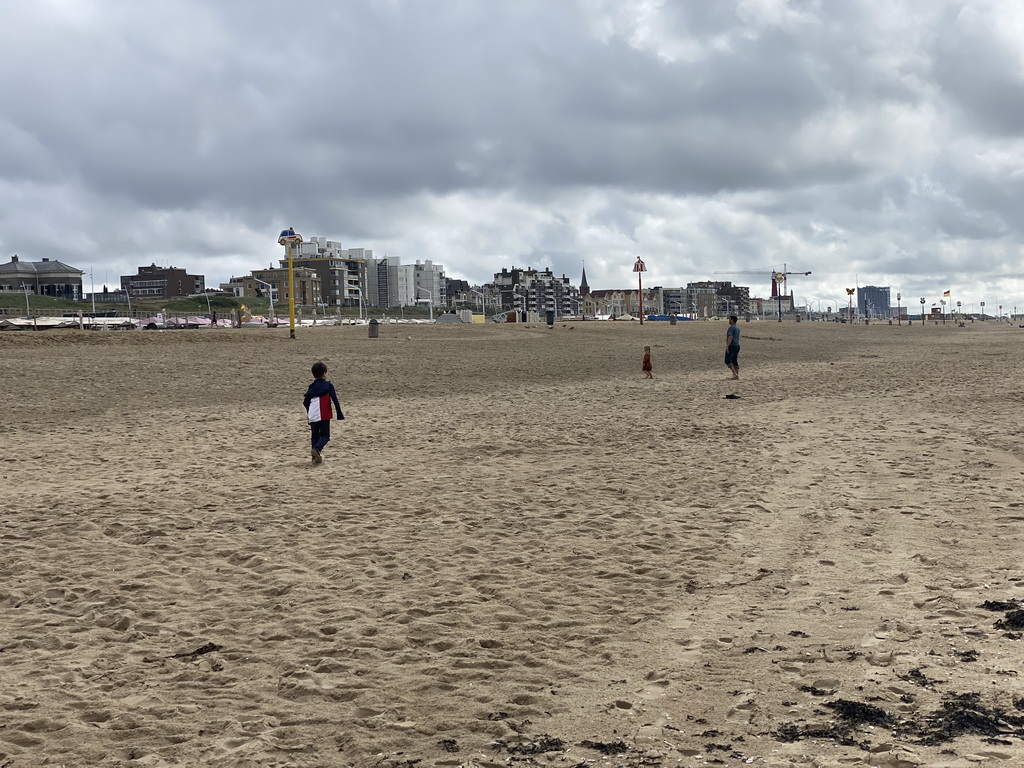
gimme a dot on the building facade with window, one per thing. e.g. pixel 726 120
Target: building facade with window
pixel 342 271
pixel 717 298
pixel 535 290
pixel 273 284
pixel 155 282
pixel 43 278
pixel 873 301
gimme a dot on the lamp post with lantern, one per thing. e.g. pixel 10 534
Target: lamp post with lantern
pixel 640 268
pixel 289 239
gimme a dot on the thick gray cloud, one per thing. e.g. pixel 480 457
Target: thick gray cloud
pixel 870 142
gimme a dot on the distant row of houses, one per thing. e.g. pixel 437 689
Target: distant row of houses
pixel 327 276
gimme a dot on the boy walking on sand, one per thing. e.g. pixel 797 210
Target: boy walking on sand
pixel 317 403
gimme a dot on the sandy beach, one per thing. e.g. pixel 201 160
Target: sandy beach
pixel 517 551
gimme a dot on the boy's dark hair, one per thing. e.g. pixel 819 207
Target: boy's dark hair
pixel 733 317
pixel 319 370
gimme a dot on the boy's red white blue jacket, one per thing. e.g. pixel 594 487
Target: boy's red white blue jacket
pixel 318 401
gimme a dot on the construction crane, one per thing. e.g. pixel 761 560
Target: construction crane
pixel 779 280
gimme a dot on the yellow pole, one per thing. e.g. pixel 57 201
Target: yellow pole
pixel 291 293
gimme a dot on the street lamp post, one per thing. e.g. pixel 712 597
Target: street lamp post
pixel 483 302
pixel 640 268
pixel 522 301
pixel 289 239
pixel 128 295
pixel 922 311
pixel 430 300
pixel 942 302
pixel 849 294
pixel 899 314
pixel 361 302
pixel 270 293
pixel 28 309
pixel 209 308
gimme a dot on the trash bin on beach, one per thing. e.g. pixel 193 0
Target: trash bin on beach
pixel 374 327
pixel 551 318
pixel 672 320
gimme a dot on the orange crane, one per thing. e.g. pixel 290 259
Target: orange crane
pixel 778 278
pixel 778 281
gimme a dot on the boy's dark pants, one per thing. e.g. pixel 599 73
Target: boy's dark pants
pixel 320 433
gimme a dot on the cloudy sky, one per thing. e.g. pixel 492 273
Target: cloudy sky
pixel 871 142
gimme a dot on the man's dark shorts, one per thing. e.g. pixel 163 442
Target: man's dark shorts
pixel 732 356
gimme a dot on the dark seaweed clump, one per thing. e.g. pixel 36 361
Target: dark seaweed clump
pixel 606 748
pixel 1012 620
pixel 960 714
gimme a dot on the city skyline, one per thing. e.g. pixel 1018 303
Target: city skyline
pixel 836 138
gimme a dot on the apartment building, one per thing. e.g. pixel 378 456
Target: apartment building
pixel 342 272
pixel 273 283
pixel 536 291
pixel 155 282
pixel 44 278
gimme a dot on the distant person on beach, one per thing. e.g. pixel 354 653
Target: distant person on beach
pixel 732 346
pixel 647 367
pixel 317 402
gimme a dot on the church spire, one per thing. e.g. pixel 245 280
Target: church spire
pixel 584 288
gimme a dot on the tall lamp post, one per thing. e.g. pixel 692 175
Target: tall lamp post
pixel 922 311
pixel 943 303
pixel 361 302
pixel 289 239
pixel 639 268
pixel 209 307
pixel 270 293
pixel 430 300
pixel 522 301
pixel 899 314
pixel 128 295
pixel 849 293
pixel 483 302
pixel 28 310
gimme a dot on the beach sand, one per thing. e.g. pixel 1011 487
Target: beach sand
pixel 517 551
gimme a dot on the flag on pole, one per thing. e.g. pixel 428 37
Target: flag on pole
pixel 945 294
